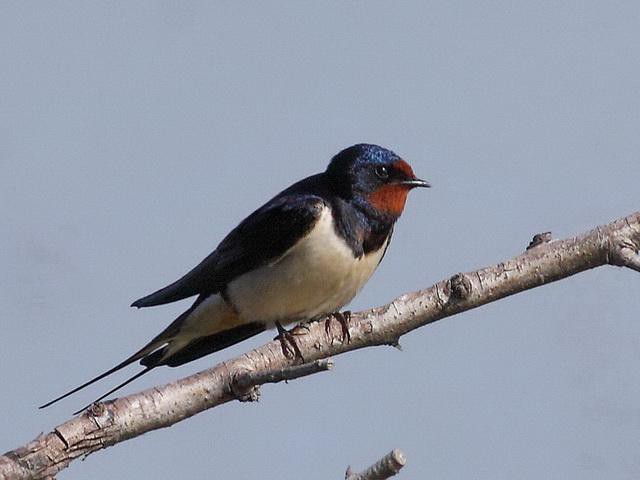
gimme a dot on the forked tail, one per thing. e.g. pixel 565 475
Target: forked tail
pixel 168 348
pixel 136 356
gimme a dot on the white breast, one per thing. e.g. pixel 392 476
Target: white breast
pixel 316 276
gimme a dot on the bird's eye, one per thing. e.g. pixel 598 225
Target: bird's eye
pixel 381 172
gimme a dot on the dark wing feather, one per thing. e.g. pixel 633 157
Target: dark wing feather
pixel 192 283
pixel 262 237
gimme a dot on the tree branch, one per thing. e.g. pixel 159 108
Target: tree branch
pixel 386 467
pixel 106 424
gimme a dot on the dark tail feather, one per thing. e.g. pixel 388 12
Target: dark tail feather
pixel 115 389
pixel 148 350
pixel 192 351
pixel 205 345
pixel 212 343
pixel 120 366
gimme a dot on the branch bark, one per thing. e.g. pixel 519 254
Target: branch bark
pixel 108 423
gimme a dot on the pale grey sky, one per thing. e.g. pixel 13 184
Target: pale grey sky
pixel 135 135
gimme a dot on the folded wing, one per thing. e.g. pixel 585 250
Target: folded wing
pixel 263 237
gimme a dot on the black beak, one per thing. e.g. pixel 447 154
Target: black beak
pixel 416 182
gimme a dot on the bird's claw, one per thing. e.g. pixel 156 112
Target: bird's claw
pixel 288 342
pixel 343 318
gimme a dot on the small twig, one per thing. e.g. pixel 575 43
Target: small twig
pixel 386 467
pixel 247 379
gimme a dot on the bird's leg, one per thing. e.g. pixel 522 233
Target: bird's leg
pixel 343 318
pixel 290 348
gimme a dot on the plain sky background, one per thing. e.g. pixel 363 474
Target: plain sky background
pixel 135 135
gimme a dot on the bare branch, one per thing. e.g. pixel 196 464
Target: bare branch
pixel 386 467
pixel 108 423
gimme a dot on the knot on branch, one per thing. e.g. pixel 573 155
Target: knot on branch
pixel 244 387
pixel 539 239
pixel 623 252
pixel 460 287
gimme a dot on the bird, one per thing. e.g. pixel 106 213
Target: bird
pixel 301 256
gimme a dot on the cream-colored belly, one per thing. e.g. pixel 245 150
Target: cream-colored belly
pixel 318 275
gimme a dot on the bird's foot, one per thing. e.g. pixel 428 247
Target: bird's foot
pixel 342 318
pixel 288 342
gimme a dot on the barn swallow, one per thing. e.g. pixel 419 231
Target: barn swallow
pixel 304 254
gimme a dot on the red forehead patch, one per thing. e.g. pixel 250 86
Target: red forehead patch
pixel 404 167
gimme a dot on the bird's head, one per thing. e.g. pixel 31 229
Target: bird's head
pixel 375 178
